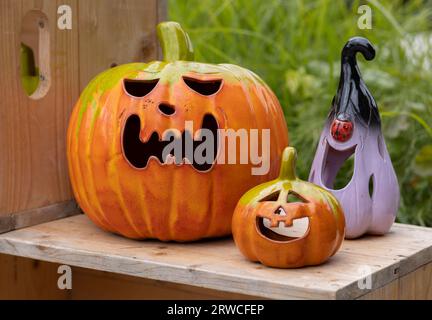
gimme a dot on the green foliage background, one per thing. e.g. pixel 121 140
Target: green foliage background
pixel 294 45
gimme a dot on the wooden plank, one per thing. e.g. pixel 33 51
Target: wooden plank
pixel 28 279
pixel 114 32
pixel 162 11
pixel 218 265
pixel 22 278
pixel 416 285
pixel 33 171
pixel 402 258
pixel 38 215
pixel 162 15
pixel 92 284
pixel 388 292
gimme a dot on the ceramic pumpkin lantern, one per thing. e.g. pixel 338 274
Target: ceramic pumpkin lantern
pixel 120 176
pixel 287 222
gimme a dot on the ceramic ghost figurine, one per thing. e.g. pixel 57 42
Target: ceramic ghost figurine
pixel 354 127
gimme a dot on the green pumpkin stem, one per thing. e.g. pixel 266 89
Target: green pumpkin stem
pixel 288 164
pixel 175 42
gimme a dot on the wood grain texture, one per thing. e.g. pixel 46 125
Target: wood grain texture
pixel 33 170
pixel 218 265
pixel 416 285
pixel 28 279
pixel 33 166
pixel 162 16
pixel 114 32
pixel 31 217
pixel 387 292
pixel 22 278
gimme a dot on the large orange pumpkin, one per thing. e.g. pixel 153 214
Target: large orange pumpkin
pixel 287 222
pixel 114 143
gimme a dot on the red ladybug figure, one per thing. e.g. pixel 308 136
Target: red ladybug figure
pixel 341 130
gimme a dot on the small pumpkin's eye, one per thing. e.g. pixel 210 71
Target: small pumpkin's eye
pixel 139 88
pixel 204 87
pixel 294 197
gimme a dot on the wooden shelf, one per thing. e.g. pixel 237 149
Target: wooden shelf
pixel 217 264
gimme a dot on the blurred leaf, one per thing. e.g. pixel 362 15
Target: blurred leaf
pixel 417 106
pixel 317 67
pixel 379 79
pixel 301 84
pixel 423 161
pixel 396 126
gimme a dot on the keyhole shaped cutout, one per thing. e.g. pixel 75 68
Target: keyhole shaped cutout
pixel 34 54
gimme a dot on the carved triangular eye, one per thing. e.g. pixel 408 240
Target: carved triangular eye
pixel 293 197
pixel 139 88
pixel 204 87
pixel 271 197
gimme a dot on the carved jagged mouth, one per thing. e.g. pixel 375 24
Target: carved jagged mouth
pixel 298 229
pixel 138 153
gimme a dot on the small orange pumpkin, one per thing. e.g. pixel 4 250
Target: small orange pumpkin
pixel 116 165
pixel 264 220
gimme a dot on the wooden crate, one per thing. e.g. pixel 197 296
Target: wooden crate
pixel 109 266
pixel 34 185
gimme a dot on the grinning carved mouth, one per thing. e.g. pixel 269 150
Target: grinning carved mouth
pixel 138 153
pixel 282 232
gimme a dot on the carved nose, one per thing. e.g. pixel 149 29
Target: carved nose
pixel 166 109
pixel 341 130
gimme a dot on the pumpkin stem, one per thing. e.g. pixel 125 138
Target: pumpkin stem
pixel 175 42
pixel 288 164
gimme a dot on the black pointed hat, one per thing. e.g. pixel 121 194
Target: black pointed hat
pixel 353 100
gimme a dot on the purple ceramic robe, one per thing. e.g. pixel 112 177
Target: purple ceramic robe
pixel 354 127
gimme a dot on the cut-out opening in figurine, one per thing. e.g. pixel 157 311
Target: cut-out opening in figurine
pixel 209 123
pixel 166 109
pixel 298 229
pixel 138 153
pixel 338 167
pixel 345 173
pixel 139 88
pixel 274 196
pixel 371 185
pixel 204 87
